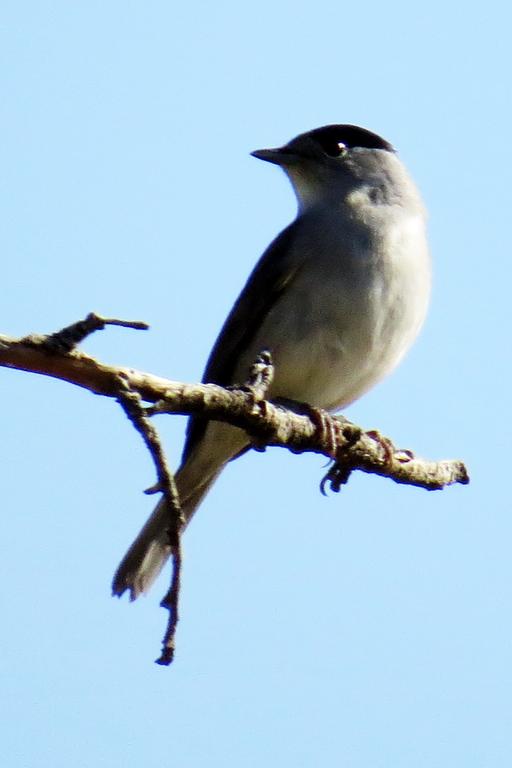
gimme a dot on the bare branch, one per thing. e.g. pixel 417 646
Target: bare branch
pixel 267 423
pixel 132 405
pixel 69 337
pixel 171 603
pixel 296 426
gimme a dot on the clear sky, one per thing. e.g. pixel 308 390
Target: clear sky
pixel 368 629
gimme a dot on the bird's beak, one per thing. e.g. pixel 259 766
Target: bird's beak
pixel 277 156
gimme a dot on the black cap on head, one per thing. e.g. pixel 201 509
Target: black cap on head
pixel 331 136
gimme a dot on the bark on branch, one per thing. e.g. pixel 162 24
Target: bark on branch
pixel 267 423
pixel 300 428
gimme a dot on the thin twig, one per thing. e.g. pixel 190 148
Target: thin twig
pixel 136 325
pixel 69 337
pixel 166 484
pixel 261 376
pixel 171 603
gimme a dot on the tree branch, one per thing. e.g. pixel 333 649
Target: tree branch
pixel 298 427
pixel 268 423
pixel 132 405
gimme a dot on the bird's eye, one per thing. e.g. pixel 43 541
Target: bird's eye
pixel 332 147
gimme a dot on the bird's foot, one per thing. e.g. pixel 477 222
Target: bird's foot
pixel 390 452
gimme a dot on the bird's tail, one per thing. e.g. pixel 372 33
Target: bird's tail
pixel 150 551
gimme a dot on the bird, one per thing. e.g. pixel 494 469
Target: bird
pixel 337 298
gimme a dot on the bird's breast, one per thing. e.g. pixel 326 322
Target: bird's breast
pixel 350 313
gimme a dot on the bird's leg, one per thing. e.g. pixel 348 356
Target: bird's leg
pixel 385 443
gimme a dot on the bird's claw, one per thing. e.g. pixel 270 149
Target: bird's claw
pixel 337 476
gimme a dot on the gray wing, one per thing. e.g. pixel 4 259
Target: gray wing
pixel 271 275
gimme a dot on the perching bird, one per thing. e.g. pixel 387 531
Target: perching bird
pixel 338 298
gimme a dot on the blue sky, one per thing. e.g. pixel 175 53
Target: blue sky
pixel 370 628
